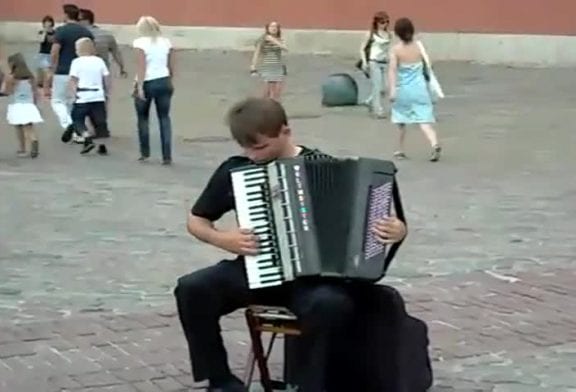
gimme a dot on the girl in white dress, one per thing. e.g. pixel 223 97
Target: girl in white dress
pixel 22 113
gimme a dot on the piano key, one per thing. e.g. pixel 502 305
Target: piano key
pixel 253 211
pixel 268 272
pixel 265 283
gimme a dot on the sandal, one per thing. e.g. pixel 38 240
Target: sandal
pixel 34 149
pixel 435 156
pixel 399 155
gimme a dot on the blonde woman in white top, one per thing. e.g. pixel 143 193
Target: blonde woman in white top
pixel 374 54
pixel 155 69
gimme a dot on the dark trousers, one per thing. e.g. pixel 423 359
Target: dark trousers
pixel 160 92
pixel 368 359
pixel 336 318
pixel 204 296
pixel 96 112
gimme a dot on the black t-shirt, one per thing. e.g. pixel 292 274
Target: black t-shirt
pixel 46 44
pixel 218 196
pixel 66 36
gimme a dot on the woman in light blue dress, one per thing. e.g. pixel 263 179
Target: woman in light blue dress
pixel 411 100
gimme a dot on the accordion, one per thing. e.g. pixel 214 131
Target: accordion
pixel 314 216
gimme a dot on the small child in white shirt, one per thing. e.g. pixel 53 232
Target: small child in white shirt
pixel 90 86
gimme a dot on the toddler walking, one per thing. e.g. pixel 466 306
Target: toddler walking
pixel 20 87
pixel 90 87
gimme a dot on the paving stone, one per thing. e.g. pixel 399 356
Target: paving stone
pixel 16 349
pixel 147 386
pixel 169 384
pixel 99 379
pixel 63 382
pixel 133 374
pixel 112 388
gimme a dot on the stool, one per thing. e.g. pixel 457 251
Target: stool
pixel 275 320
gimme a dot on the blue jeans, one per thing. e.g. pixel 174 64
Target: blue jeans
pixel 160 91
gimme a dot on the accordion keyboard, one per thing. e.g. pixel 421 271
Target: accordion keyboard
pixel 254 212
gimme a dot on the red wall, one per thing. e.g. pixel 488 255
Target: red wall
pixel 555 17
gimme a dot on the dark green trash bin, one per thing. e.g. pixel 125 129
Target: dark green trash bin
pixel 339 89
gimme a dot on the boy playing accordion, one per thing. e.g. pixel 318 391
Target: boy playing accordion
pixel 325 308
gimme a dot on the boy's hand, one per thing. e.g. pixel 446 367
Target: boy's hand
pixel 241 242
pixel 390 230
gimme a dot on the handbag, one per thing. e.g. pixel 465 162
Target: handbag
pixel 434 87
pixel 358 63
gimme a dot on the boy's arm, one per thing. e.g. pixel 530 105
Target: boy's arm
pixel 72 86
pixel 204 230
pixel 239 241
pixel 391 230
pixel 215 201
pixel 73 82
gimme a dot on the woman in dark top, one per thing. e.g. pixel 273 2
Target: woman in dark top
pixel 46 36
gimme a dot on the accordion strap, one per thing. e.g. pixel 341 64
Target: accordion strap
pixel 400 215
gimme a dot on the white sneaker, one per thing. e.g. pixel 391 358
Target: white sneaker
pixel 77 139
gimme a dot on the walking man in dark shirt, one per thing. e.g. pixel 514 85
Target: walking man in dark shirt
pixel 325 308
pixel 62 54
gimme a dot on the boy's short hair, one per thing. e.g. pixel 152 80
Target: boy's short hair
pixel 255 116
pixel 85 47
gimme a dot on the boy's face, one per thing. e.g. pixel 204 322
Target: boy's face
pixel 269 148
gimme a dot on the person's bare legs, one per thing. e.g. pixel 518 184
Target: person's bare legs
pixel 276 89
pixel 40 77
pixel 32 139
pixel 21 140
pixel 268 90
pixel 399 153
pixel 430 134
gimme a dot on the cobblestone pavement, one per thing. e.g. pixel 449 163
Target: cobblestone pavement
pixel 90 247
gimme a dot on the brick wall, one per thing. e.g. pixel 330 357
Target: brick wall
pixel 553 17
